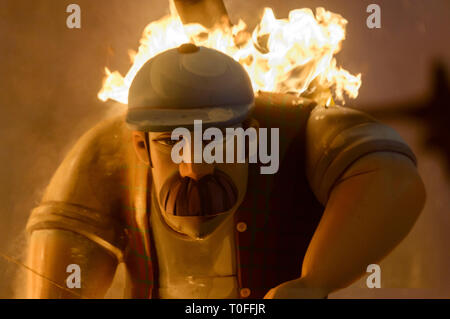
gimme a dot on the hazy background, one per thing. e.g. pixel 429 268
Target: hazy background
pixel 50 76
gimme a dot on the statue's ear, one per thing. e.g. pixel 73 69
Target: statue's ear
pixel 141 146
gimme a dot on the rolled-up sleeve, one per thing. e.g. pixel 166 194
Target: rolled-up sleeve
pixel 83 196
pixel 79 219
pixel 336 137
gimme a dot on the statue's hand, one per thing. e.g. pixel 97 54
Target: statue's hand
pixel 296 289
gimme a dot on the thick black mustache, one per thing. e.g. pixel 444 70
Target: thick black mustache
pixel 212 194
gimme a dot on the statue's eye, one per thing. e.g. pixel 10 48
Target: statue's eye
pixel 141 144
pixel 167 141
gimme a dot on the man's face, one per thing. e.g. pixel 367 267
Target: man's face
pixel 191 190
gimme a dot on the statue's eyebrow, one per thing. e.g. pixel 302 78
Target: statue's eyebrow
pixel 162 136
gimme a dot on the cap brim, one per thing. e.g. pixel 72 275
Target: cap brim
pixel 163 120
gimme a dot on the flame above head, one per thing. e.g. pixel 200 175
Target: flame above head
pixel 281 55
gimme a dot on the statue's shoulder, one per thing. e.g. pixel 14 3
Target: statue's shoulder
pixel 93 166
pixel 338 136
pixel 326 122
pixel 105 144
pixel 84 192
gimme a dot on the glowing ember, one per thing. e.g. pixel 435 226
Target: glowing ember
pixel 281 55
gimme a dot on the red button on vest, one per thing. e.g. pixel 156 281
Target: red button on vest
pixel 241 227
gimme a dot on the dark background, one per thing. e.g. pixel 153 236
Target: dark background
pixel 50 76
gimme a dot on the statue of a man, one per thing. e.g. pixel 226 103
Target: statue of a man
pixel 346 193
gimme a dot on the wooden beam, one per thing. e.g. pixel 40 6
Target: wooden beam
pixel 206 12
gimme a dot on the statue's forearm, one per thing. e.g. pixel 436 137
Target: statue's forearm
pixel 370 210
pixel 49 254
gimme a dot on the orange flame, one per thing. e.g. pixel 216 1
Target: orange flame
pixel 280 55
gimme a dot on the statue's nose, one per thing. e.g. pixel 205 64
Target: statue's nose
pixel 195 171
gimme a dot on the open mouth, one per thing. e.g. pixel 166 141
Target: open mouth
pixel 211 195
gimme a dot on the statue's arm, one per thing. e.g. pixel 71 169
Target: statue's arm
pixel 365 175
pixel 51 251
pixel 370 210
pixel 77 221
